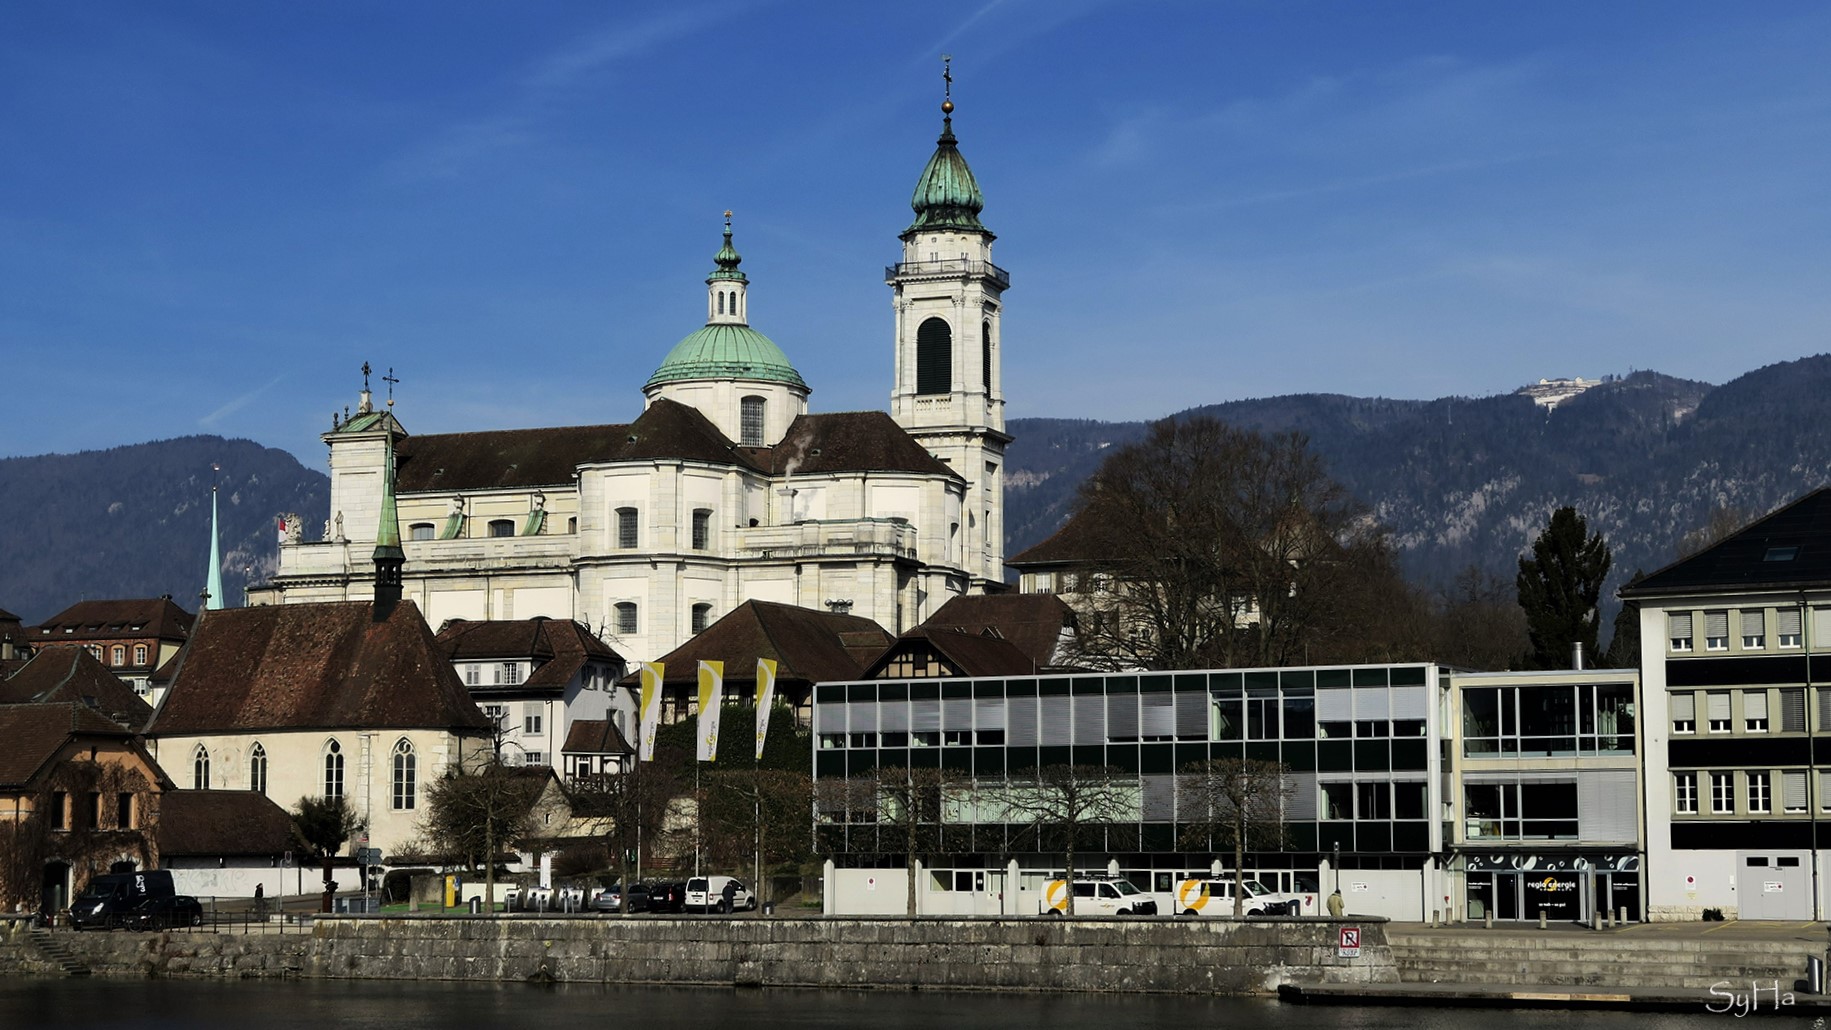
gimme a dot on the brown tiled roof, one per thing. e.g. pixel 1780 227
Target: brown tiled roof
pixel 971 654
pixel 595 737
pixel 315 666
pixel 93 620
pixel 558 647
pixel 71 674
pixel 196 823
pixel 6 616
pixel 35 733
pixel 1079 540
pixel 848 441
pixel 1033 623
pixel 809 646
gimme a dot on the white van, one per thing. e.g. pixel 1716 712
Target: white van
pixel 718 894
pixel 1214 897
pixel 1098 898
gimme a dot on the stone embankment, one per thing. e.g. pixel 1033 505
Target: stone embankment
pixel 1213 956
pixel 1583 959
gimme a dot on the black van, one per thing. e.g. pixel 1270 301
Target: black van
pixel 111 900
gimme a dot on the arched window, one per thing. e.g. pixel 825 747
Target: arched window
pixel 420 531
pixel 257 768
pixel 139 654
pixel 626 617
pixel 117 655
pixel 702 617
pixel 934 357
pixel 200 768
pixel 626 527
pixel 985 352
pixel 405 768
pixel 502 527
pixel 750 421
pixel 333 771
pixel 721 301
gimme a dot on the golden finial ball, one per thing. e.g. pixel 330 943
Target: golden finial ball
pixel 947 107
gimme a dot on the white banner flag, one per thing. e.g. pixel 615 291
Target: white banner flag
pixel 649 711
pixel 711 700
pixel 766 699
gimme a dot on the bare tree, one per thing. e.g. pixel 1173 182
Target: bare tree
pixel 1233 803
pixel 914 802
pixel 757 814
pixel 476 808
pixel 1479 624
pixel 1219 547
pixel 632 809
pixel 1068 807
pixel 1724 522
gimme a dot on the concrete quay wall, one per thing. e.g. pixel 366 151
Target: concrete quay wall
pixel 1100 955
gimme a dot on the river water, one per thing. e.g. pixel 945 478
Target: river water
pixel 372 1005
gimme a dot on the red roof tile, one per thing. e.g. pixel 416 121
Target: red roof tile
pixel 71 674
pixel 202 823
pixel 595 737
pixel 1033 623
pixel 93 620
pixel 808 646
pixel 35 733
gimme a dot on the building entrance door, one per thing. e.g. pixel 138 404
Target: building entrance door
pixel 1772 886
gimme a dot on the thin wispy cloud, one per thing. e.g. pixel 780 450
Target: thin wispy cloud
pixel 210 421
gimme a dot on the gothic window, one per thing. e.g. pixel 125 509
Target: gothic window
pixel 985 352
pixel 405 775
pixel 626 527
pixel 702 617
pixel 200 768
pixel 934 357
pixel 333 771
pixel 502 527
pixel 420 531
pixel 702 528
pixel 626 617
pixel 750 421
pixel 257 769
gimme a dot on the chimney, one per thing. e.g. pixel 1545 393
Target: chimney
pixel 1576 655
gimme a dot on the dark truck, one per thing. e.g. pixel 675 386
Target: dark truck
pixel 114 900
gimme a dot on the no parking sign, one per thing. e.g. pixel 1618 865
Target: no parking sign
pixel 1348 945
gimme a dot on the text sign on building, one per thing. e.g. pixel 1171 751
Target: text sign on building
pixel 1349 943
pixel 1772 887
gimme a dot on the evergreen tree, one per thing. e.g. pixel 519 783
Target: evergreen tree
pixel 1559 587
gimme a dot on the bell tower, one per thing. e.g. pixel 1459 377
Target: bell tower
pixel 949 390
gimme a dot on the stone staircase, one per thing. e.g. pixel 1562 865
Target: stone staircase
pixel 1595 959
pixel 57 952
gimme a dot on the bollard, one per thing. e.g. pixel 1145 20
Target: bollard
pixel 1610 921
pixel 1621 915
pixel 1488 920
pixel 1541 918
pixel 1595 920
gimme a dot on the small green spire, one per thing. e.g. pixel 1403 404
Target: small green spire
pixel 727 258
pixel 388 533
pixel 213 583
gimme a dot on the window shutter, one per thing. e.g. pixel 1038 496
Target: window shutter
pixel 1824 708
pixel 989 713
pixel 1754 704
pixel 1023 728
pixel 1122 716
pixel 1716 624
pixel 1684 707
pixel 1089 719
pixel 1300 795
pixel 1055 718
pixel 1753 623
pixel 1793 790
pixel 1159 801
pixel 862 717
pixel 1792 710
pixel 1606 805
pixel 1678 626
pixel 925 716
pixel 1718 704
pixel 1333 706
pixel 1372 703
pixel 1192 715
pixel 1824 788
pixel 1786 622
pixel 1159 715
pixel 957 713
pixel 830 718
pixel 894 716
pixel 1410 702
pixel 934 357
pixel 1821 624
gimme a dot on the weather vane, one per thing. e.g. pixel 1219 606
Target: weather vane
pixel 947 75
pixel 365 377
pixel 390 380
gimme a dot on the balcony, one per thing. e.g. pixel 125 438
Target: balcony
pixel 863 538
pixel 957 268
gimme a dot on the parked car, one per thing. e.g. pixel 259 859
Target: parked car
pixel 610 899
pixel 1098 898
pixel 720 894
pixel 110 900
pixel 165 913
pixel 667 896
pixel 1214 897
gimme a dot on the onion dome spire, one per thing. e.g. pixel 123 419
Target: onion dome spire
pixel 727 258
pixel 947 196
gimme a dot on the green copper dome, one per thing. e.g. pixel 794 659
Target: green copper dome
pixel 726 351
pixel 727 258
pixel 946 196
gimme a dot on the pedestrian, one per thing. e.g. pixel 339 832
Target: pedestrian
pixel 1335 904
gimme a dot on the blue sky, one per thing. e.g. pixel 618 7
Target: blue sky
pixel 212 213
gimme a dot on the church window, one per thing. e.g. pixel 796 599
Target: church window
pixel 420 531
pixel 626 617
pixel 117 655
pixel 333 771
pixel 702 617
pixel 139 654
pixel 502 527
pixel 934 357
pixel 200 768
pixel 750 421
pixel 257 769
pixel 626 527
pixel 702 528
pixel 405 775
pixel 985 352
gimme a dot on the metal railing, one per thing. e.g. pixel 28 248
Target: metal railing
pixel 962 267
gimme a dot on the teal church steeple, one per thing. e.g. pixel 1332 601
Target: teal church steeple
pixel 388 556
pixel 213 583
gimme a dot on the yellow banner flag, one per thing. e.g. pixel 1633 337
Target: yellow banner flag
pixel 648 711
pixel 766 698
pixel 711 701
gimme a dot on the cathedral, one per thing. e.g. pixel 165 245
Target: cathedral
pixel 725 489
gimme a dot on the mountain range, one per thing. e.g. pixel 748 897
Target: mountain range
pixel 1458 481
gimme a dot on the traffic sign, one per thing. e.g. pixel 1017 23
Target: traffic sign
pixel 1348 945
pixel 368 856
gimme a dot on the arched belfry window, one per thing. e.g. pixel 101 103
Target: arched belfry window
pixel 257 768
pixel 934 357
pixel 985 353
pixel 750 421
pixel 721 302
pixel 333 771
